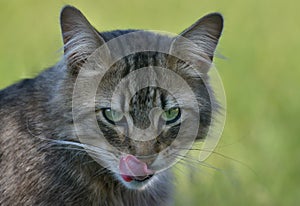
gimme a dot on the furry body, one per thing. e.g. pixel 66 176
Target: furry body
pixel 34 171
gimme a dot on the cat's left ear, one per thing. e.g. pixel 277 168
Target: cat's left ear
pixel 79 37
pixel 201 38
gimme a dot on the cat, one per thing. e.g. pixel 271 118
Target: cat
pixel 66 136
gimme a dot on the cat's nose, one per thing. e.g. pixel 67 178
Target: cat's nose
pixel 145 150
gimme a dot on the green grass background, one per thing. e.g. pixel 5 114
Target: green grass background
pixel 261 140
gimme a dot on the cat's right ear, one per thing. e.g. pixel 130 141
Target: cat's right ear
pixel 197 43
pixel 80 38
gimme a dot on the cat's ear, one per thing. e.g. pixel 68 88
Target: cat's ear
pixel 201 38
pixel 79 37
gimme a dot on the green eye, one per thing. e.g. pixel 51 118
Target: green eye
pixel 171 115
pixel 112 116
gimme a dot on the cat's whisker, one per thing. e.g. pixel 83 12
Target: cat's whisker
pixel 78 145
pixel 220 155
pixel 191 161
pixel 83 148
pixel 100 172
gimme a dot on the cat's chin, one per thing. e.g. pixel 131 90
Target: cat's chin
pixel 135 184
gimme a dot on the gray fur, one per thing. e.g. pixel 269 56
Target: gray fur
pixel 42 161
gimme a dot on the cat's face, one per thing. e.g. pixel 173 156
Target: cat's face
pixel 143 118
pixel 148 106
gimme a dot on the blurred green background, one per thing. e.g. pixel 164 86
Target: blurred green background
pixel 257 159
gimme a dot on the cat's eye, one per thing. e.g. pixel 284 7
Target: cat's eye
pixel 171 115
pixel 112 116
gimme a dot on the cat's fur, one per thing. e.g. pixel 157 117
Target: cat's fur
pixel 35 169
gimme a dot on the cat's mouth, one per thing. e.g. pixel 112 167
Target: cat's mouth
pixel 128 178
pixel 133 169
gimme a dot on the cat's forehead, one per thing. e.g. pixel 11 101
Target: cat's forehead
pixel 130 99
pixel 134 69
pixel 126 72
pixel 149 97
pixel 145 59
pixel 141 80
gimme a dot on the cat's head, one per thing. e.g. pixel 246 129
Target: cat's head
pixel 140 98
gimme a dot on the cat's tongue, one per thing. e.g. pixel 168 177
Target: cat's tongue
pixel 131 168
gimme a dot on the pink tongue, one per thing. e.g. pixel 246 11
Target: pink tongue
pixel 132 168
